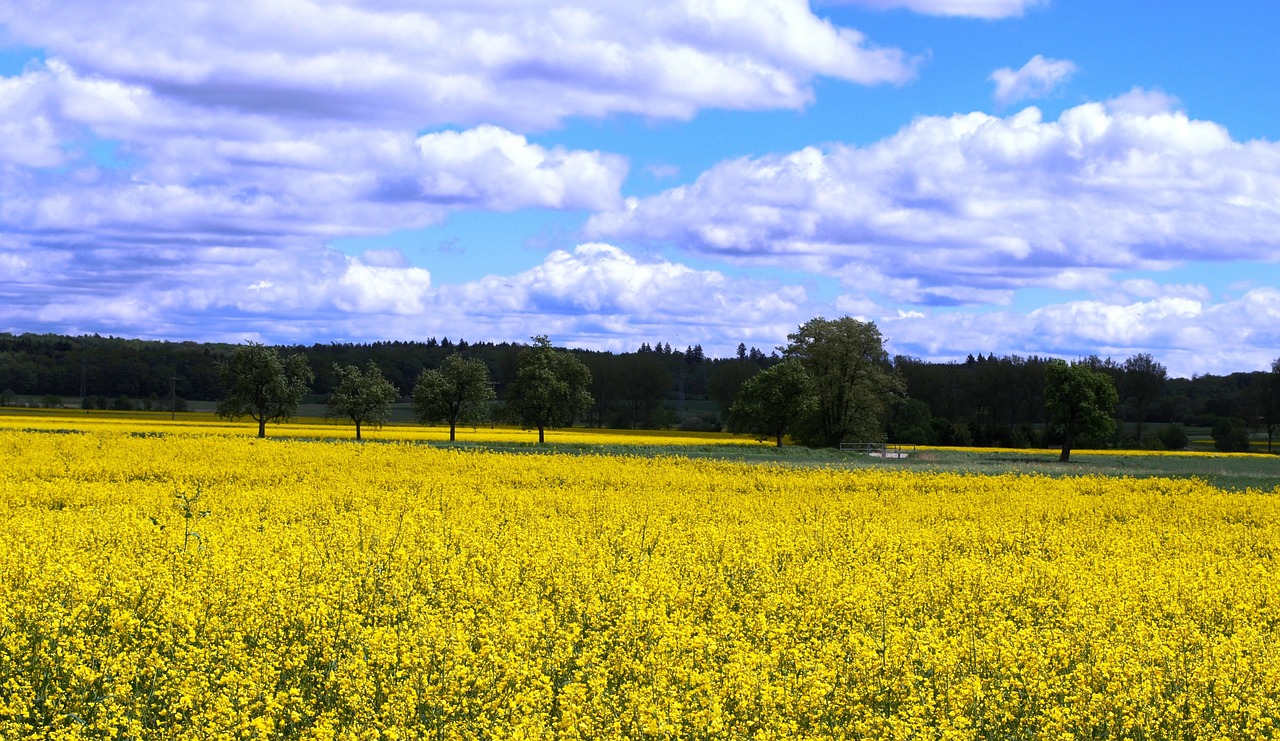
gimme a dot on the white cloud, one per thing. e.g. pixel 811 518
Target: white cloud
pixel 503 171
pixel 600 296
pixel 1187 335
pixel 596 296
pixel 969 208
pixel 214 175
pixel 1037 78
pixel 525 65
pixel 969 8
pixel 28 135
pixel 1143 102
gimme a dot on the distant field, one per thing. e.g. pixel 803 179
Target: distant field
pixel 321 428
pixel 1228 470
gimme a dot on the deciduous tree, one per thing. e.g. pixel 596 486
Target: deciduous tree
pixel 1268 400
pixel 459 390
pixel 771 402
pixel 1078 401
pixel 257 382
pixel 852 379
pixel 1143 381
pixel 550 388
pixel 364 397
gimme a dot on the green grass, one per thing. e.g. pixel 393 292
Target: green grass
pixel 1235 472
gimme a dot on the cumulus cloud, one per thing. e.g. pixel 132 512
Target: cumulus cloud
pixel 967 8
pixel 595 296
pixel 1188 335
pixel 969 208
pixel 198 175
pixel 1037 78
pixel 503 171
pixel 1142 102
pixel 600 296
pixel 525 65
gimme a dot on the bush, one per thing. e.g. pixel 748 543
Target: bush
pixel 1173 437
pixel 1230 435
pixel 51 401
pixel 122 404
pixel 707 423
pixel 8 398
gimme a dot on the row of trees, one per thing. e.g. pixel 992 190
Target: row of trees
pixel 984 400
pixel 550 389
pixel 834 383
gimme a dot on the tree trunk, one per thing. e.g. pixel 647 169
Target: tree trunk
pixel 541 439
pixel 262 427
pixel 1066 448
pixel 779 439
pixel 451 427
pixel 357 430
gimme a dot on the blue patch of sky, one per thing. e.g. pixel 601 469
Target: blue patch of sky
pixel 1180 47
pixel 471 244
pixel 104 153
pixel 14 60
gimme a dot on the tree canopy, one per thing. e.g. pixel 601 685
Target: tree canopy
pixel 550 388
pixel 365 397
pixel 771 402
pixel 1267 396
pixel 259 383
pixel 852 379
pixel 1078 401
pixel 459 390
pixel 1143 380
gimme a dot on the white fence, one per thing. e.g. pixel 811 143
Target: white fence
pixel 878 450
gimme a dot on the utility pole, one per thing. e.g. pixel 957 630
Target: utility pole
pixel 173 397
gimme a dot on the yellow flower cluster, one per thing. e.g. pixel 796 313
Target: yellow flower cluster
pixel 194 587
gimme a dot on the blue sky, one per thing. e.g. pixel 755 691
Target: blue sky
pixel 1009 176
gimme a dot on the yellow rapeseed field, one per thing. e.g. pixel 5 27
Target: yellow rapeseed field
pixel 214 586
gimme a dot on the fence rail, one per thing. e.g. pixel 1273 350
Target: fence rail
pixel 878 450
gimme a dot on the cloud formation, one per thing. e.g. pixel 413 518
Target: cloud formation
pixel 969 208
pixel 521 66
pixel 1187 335
pixel 1037 78
pixel 596 295
pixel 599 296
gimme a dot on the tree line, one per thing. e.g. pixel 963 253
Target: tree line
pixel 549 390
pixel 982 401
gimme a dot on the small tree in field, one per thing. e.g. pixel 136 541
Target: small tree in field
pixel 1078 401
pixel 260 384
pixel 772 401
pixel 1174 437
pixel 457 391
pixel 363 397
pixel 550 387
